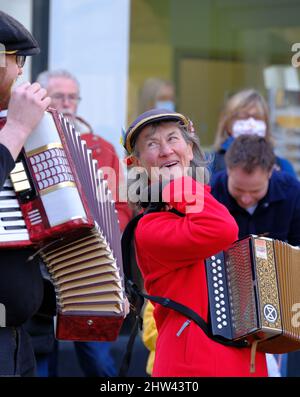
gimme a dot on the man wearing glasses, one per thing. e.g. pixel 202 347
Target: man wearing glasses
pixel 21 287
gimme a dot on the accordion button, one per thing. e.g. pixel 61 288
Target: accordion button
pixel 216 292
pixel 219 326
pixel 222 303
pixel 216 285
pixel 224 323
pixel 218 261
pixel 215 278
pixel 221 296
pixel 224 316
pixel 213 258
pixel 218 305
pixel 219 268
pixel 220 282
pixel 219 319
pixel 218 312
pixel 90 322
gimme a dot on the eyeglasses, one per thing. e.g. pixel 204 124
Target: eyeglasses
pixel 20 60
pixel 62 97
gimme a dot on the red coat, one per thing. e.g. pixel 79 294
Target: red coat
pixel 170 253
pixel 106 156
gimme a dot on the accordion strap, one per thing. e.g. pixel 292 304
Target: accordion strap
pixel 187 312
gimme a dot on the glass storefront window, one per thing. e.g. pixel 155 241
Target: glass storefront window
pixel 209 49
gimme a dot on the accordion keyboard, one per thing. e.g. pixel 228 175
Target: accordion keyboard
pixel 12 224
pixel 217 285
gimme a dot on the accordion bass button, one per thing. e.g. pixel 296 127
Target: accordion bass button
pixel 90 322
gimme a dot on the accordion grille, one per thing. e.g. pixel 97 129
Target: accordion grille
pixel 86 276
pixel 240 289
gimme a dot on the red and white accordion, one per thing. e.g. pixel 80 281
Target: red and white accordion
pixel 57 200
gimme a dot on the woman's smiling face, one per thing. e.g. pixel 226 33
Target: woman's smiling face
pixel 162 150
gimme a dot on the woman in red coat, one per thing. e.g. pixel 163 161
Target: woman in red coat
pixel 171 249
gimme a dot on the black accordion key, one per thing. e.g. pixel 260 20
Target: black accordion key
pixel 218 295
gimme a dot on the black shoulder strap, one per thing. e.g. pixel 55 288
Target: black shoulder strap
pixel 187 312
pixel 127 238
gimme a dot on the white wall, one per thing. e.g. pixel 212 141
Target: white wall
pixel 90 38
pixel 22 11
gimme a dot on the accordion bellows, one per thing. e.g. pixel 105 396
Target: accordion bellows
pixel 69 213
pixel 254 293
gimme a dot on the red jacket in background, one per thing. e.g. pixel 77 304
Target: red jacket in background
pixel 170 253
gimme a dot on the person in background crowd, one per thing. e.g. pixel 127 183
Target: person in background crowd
pixel 261 199
pixel 21 286
pixel 156 93
pixel 149 335
pixel 246 112
pixel 172 243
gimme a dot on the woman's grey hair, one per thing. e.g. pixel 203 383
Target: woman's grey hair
pixel 198 168
pixel 44 77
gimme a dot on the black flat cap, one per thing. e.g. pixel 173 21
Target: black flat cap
pixel 149 117
pixel 15 37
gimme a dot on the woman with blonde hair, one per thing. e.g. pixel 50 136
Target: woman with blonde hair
pixel 246 112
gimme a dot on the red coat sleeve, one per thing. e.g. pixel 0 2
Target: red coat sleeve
pixel 179 241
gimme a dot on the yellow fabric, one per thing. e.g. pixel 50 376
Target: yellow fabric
pixel 149 334
pixel 8 52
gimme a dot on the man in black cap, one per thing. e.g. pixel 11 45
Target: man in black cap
pixel 21 287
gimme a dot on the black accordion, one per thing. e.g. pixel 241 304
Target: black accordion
pixel 254 293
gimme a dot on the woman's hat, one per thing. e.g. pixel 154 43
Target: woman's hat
pixel 149 117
